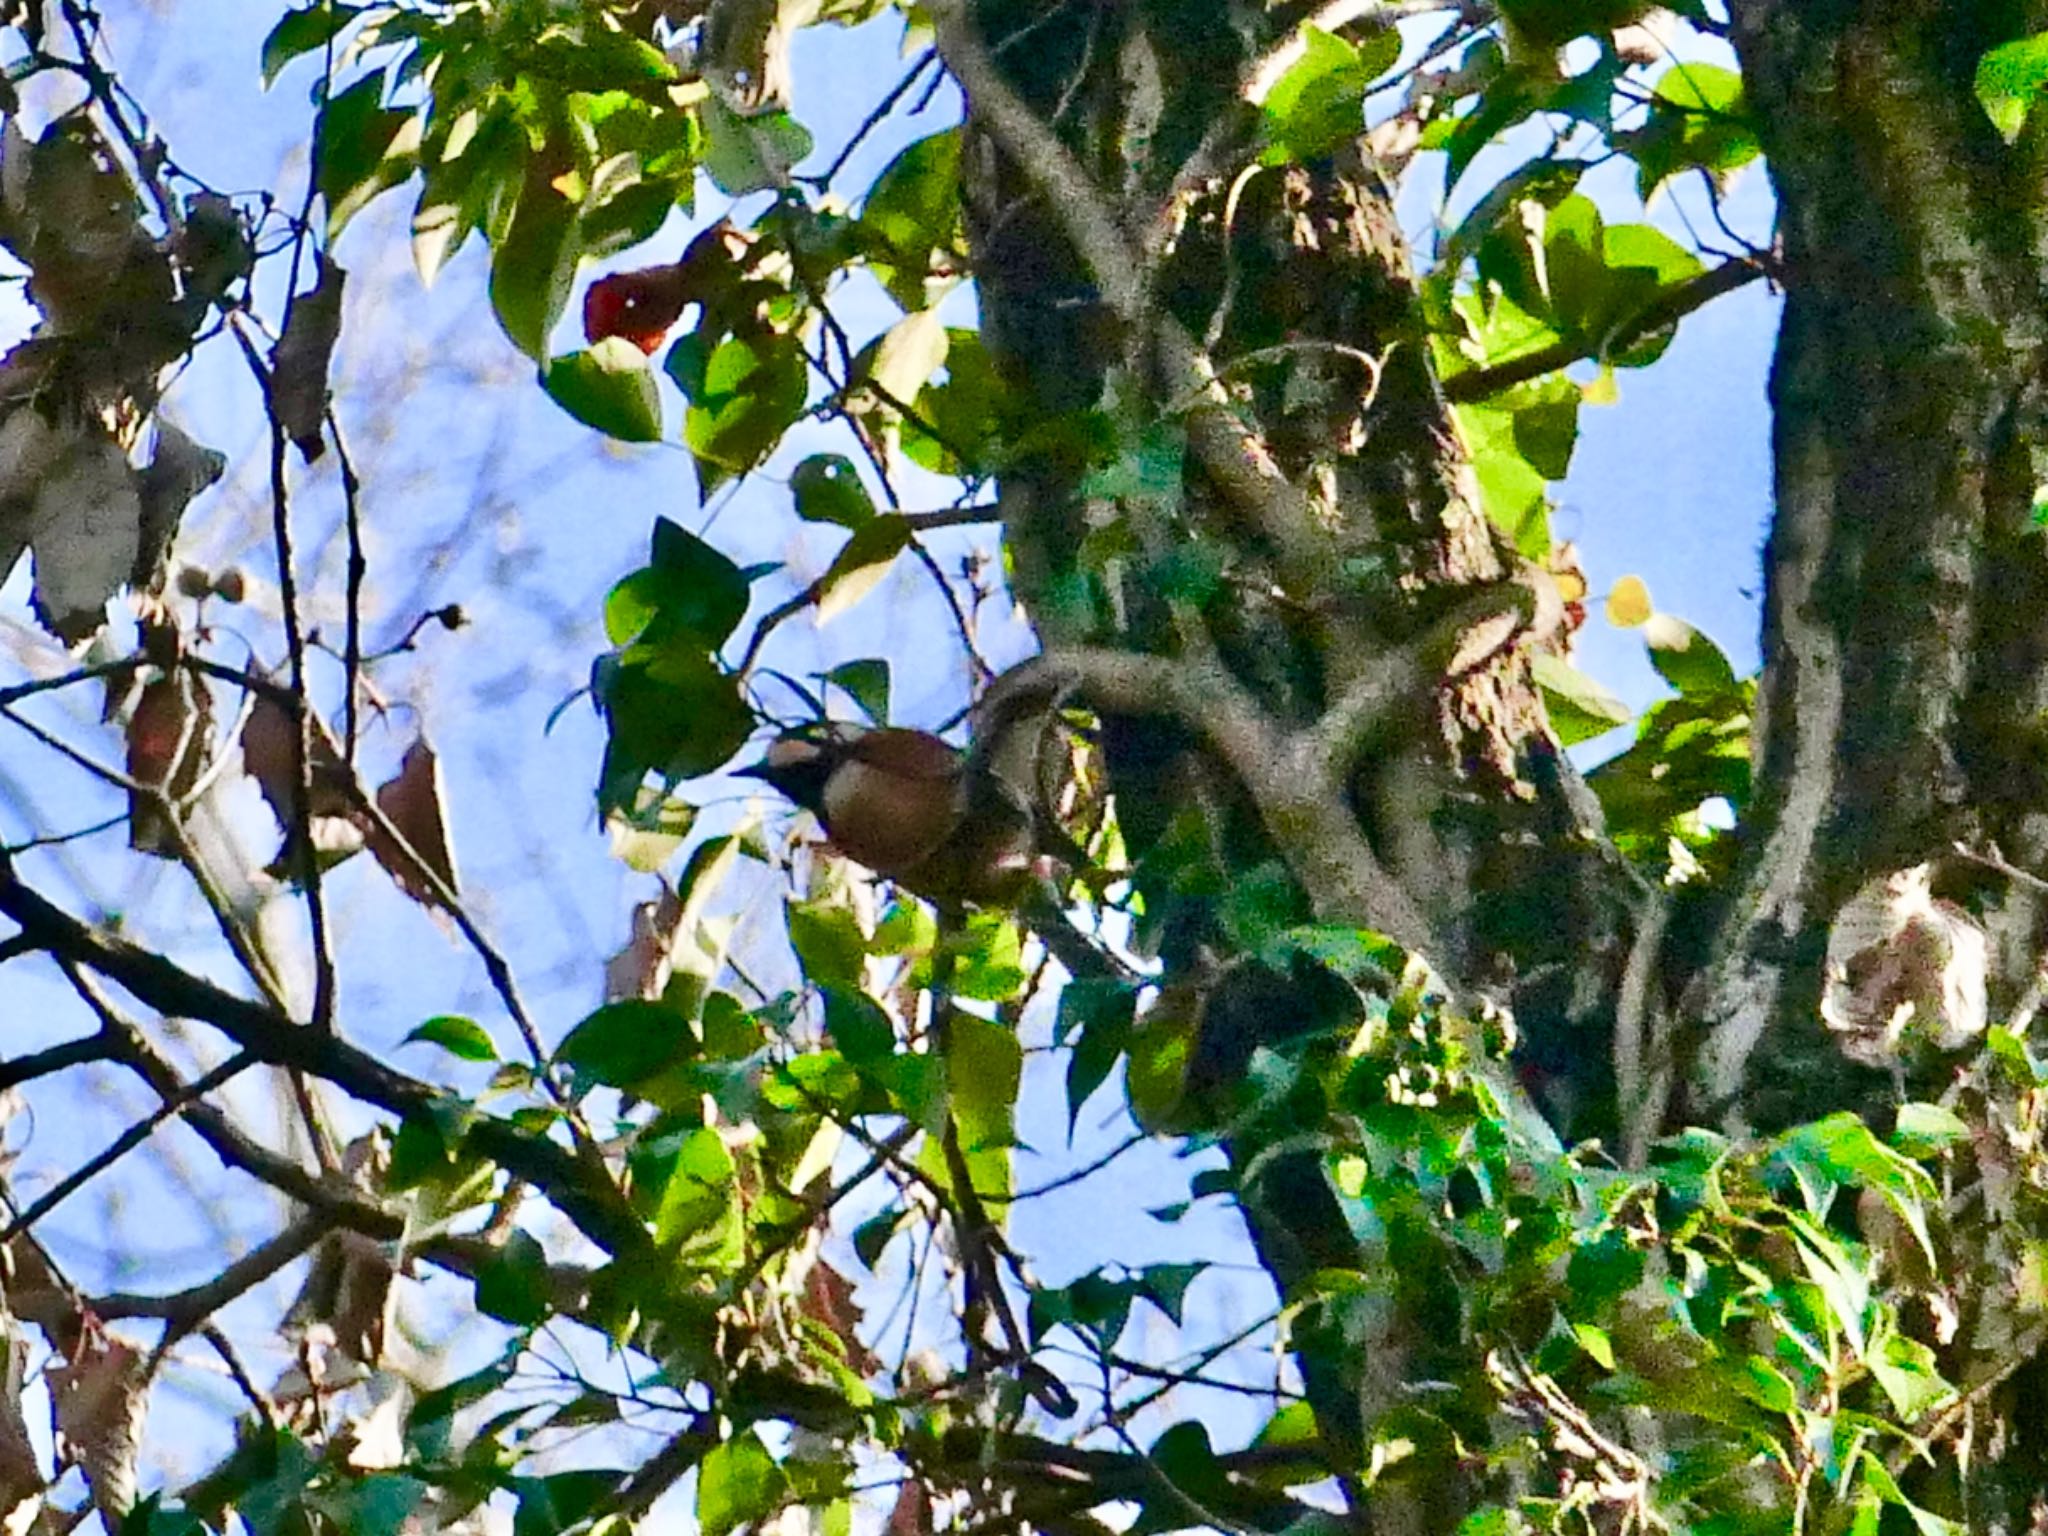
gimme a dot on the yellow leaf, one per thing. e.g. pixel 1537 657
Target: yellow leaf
pixel 1628 604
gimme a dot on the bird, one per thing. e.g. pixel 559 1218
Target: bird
pixel 911 807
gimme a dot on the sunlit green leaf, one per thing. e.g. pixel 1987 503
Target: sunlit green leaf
pixel 457 1036
pixel 609 387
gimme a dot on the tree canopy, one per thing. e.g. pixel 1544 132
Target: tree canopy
pixel 1509 1130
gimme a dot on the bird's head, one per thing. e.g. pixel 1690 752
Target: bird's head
pixel 798 764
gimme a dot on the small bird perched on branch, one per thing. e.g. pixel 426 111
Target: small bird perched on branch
pixel 911 807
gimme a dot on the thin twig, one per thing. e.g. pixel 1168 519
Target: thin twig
pixel 131 1138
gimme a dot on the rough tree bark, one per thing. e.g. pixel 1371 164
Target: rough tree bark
pixel 1368 622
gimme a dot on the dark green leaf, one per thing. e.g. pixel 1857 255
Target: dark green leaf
pixel 1166 1286
pixel 608 387
pixel 362 148
pixel 872 1235
pixel 1096 1015
pixel 673 711
pixel 858 1026
pixel 828 490
pixel 512 1285
pixel 627 1042
pixel 689 593
pixel 866 682
pixel 550 1506
pixel 457 1036
pixel 300 32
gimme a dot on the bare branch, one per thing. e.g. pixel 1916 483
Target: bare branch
pixel 582 1190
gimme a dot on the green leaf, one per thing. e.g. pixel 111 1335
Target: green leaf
pixel 1166 1286
pixel 689 593
pixel 1687 659
pixel 300 32
pixel 512 1285
pixel 608 387
pixel 1579 708
pixel 984 1065
pixel 362 148
pixel 457 1036
pixel 1319 102
pixel 912 210
pixel 1923 1130
pixel 828 490
pixel 551 1506
pixel 1595 1342
pixel 988 959
pixel 861 564
pixel 672 710
pixel 738 1484
pixel 1509 485
pixel 858 1026
pixel 866 682
pixel 627 1042
pixel 700 1212
pixel 828 943
pixel 2010 79
pixel 1907 1371
pixel 752 390
pixel 750 154
pixel 1698 118
pixel 1096 1014
pixel 534 267
pixel 872 1236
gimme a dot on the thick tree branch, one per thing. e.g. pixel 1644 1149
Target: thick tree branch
pixel 1304 807
pixel 581 1192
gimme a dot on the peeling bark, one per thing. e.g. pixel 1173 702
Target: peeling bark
pixel 1904 609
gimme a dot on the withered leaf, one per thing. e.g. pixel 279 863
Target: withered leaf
pixel 411 802
pixel 299 363
pixel 169 734
pixel 98 1398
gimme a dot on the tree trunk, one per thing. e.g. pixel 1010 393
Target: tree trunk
pixel 1294 283
pixel 1906 600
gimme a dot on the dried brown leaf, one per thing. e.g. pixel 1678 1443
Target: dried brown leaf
pixel 21 1470
pixel 299 364
pixel 99 1398
pixel 411 802
pixel 641 969
pixel 828 1302
pixel 168 737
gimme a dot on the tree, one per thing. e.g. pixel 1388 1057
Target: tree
pixel 1613 1172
